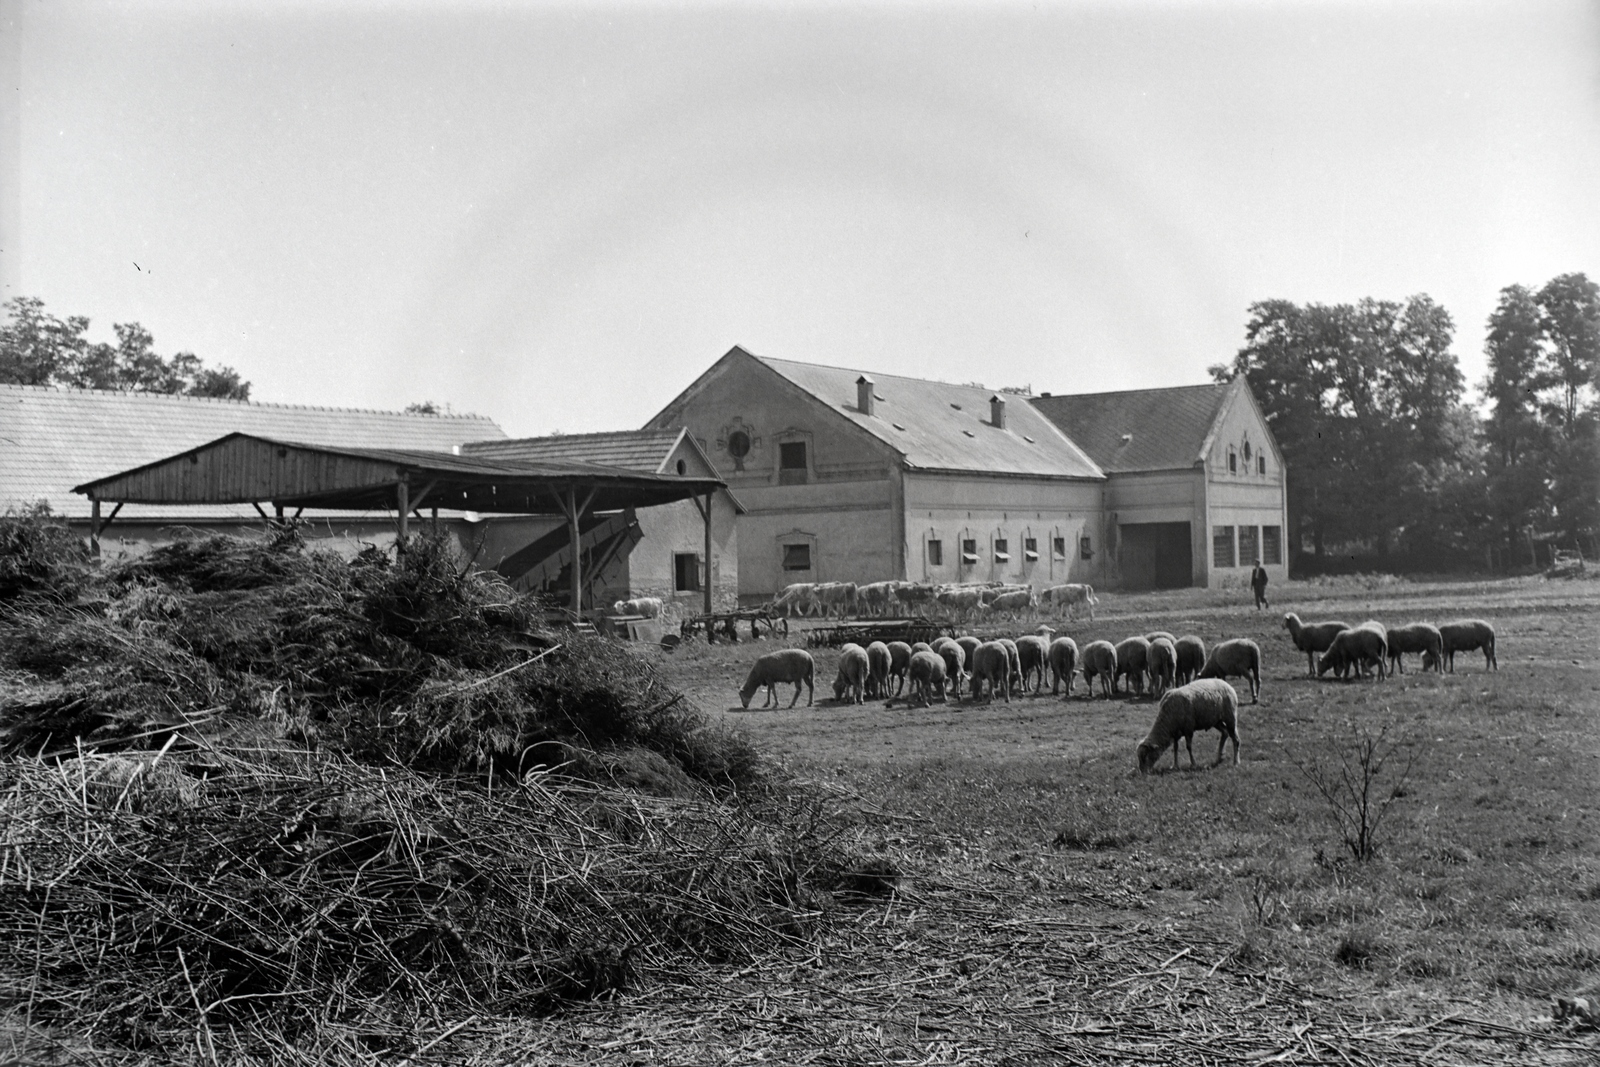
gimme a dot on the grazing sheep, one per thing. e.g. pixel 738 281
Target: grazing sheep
pixel 1156 635
pixel 785 665
pixel 1100 658
pixel 1162 665
pixel 1186 710
pixel 1133 657
pixel 991 667
pixel 1417 637
pixel 1238 656
pixel 927 677
pixel 1032 654
pixel 1191 657
pixel 1016 662
pixel 648 606
pixel 1063 659
pixel 920 646
pixel 1069 597
pixel 879 663
pixel 969 645
pixel 1353 651
pixel 1464 636
pixel 955 662
pixel 899 661
pixel 853 670
pixel 1312 637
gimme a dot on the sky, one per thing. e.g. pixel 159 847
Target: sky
pixel 559 215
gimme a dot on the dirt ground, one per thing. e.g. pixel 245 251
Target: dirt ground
pixel 1055 906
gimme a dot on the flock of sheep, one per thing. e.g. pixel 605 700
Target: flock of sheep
pixel 1189 681
pixel 962 600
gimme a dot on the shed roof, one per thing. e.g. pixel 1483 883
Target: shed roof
pixel 243 468
pixel 635 450
pixel 1139 429
pixel 53 439
pixel 937 426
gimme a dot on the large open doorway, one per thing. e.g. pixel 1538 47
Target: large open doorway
pixel 1155 555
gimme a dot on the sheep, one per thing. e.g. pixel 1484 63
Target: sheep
pixel 927 677
pixel 647 606
pixel 962 601
pixel 1355 650
pixel 1133 656
pixel 1238 656
pixel 1100 658
pixel 991 666
pixel 1062 656
pixel 1463 636
pixel 1015 655
pixel 852 677
pixel 920 646
pixel 1417 637
pixel 988 594
pixel 1032 653
pixel 879 663
pixel 899 662
pixel 969 645
pixel 1191 657
pixel 1162 665
pixel 1204 705
pixel 955 661
pixel 785 665
pixel 1069 597
pixel 1156 635
pixel 1312 638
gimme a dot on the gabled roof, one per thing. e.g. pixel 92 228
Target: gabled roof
pixel 1141 429
pixel 635 450
pixel 936 426
pixel 53 439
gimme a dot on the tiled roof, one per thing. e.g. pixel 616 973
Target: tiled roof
pixel 938 426
pixel 635 450
pixel 54 439
pixel 1138 430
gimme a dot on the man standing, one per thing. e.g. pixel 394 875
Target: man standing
pixel 1258 582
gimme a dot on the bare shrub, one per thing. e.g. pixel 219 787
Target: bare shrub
pixel 1362 786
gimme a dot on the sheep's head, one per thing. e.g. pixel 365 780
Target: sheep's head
pixel 839 686
pixel 1430 662
pixel 1148 755
pixel 744 697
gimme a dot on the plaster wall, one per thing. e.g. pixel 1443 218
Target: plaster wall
pixel 954 508
pixel 1243 495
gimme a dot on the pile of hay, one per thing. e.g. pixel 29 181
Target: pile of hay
pixel 260 794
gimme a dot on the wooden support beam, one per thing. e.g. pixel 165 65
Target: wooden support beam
pixel 277 510
pixel 705 513
pixel 260 510
pixel 97 525
pixel 574 512
pixel 402 505
pixel 416 501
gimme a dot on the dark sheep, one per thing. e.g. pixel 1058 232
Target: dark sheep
pixel 1191 657
pixel 1353 651
pixel 1099 658
pixel 1205 705
pixel 1239 657
pixel 1162 665
pixel 1312 638
pixel 1063 659
pixel 1032 653
pixel 785 665
pixel 1133 657
pixel 1419 637
pixel 1464 636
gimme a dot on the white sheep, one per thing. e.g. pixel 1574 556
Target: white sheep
pixel 1099 658
pixel 785 665
pixel 1033 653
pixel 1418 637
pixel 955 662
pixel 1464 636
pixel 879 663
pixel 991 668
pixel 1312 637
pixel 962 601
pixel 927 677
pixel 899 662
pixel 969 645
pixel 1133 657
pixel 1155 635
pixel 1162 665
pixel 1063 659
pixel 853 670
pixel 1237 656
pixel 1015 655
pixel 1191 657
pixel 1204 705
pixel 647 606
pixel 1355 650
pixel 1070 597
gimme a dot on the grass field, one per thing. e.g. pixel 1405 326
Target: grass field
pixel 1057 906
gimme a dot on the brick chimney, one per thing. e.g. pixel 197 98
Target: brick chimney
pixel 864 395
pixel 997 411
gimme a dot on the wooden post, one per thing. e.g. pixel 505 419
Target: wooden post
pixel 577 556
pixel 707 516
pixel 402 503
pixel 94 526
pixel 436 520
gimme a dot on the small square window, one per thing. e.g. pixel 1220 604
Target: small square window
pixel 1233 461
pixel 792 468
pixel 969 550
pixel 1261 463
pixel 1058 547
pixel 686 572
pixel 1002 550
pixel 1085 547
pixel 1030 548
pixel 1271 544
pixel 797 557
pixel 1222 546
pixel 1248 545
pixel 935 553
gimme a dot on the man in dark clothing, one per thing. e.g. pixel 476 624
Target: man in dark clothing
pixel 1258 582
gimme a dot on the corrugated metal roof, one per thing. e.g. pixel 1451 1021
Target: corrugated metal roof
pixel 1141 429
pixel 54 439
pixel 939 426
pixel 636 450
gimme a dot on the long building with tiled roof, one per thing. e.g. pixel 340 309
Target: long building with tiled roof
pixel 850 475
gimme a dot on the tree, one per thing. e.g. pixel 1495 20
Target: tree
pixel 1516 441
pixel 36 348
pixel 423 407
pixel 1570 307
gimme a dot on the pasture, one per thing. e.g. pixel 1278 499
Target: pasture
pixel 1056 906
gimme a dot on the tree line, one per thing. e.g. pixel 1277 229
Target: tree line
pixel 1385 454
pixel 37 348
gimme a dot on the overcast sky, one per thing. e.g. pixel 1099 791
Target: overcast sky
pixel 559 215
